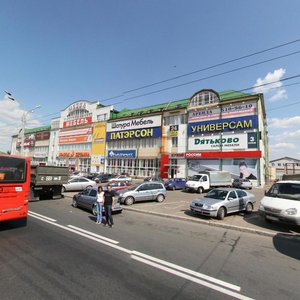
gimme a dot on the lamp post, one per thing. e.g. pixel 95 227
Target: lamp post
pixel 23 120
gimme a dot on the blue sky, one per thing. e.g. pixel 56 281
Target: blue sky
pixel 53 53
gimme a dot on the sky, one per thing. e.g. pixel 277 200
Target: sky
pixel 53 53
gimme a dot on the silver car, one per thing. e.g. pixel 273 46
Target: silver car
pixel 143 192
pixel 78 183
pixel 222 201
pixel 242 183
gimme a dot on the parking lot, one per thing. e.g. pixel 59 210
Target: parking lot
pixel 177 206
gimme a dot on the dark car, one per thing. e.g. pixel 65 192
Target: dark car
pixel 87 199
pixel 103 178
pixel 175 184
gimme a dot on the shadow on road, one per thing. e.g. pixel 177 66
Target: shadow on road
pixel 13 224
pixel 287 245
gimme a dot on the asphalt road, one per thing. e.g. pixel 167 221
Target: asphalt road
pixel 63 254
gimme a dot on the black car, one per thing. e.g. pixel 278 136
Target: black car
pixel 87 199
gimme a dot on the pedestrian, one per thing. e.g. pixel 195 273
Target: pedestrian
pixel 109 199
pixel 99 203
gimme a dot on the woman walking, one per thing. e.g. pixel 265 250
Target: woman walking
pixel 99 203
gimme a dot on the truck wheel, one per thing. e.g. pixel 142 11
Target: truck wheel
pixel 221 213
pixel 200 190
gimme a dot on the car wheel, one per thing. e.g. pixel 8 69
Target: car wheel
pixel 74 202
pixel 129 200
pixel 63 189
pixel 174 188
pixel 160 198
pixel 200 190
pixel 89 187
pixel 249 208
pixel 221 213
pixel 94 210
pixel 268 220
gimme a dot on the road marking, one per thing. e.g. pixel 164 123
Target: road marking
pixel 94 234
pixel 154 262
pixel 193 279
pixel 182 269
pixel 42 216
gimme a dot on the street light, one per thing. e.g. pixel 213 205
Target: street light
pixel 23 120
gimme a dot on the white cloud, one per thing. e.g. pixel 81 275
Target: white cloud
pixel 284 122
pixel 275 90
pixel 10 122
pixel 282 146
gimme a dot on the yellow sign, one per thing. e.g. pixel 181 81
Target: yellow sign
pixel 98 142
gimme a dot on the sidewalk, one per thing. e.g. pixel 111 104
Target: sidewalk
pixel 177 206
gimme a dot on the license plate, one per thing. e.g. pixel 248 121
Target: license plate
pixel 272 218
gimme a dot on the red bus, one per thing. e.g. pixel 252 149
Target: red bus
pixel 14 187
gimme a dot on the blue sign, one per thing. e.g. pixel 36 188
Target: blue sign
pixel 141 133
pixel 121 154
pixel 223 125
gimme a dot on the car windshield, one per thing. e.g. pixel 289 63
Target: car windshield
pixel 217 194
pixel 196 178
pixel 289 191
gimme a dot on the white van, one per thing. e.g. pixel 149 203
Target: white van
pixel 282 203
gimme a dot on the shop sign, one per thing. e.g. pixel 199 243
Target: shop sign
pixel 177 155
pixel 74 154
pixel 40 154
pixel 224 111
pixel 77 122
pixel 225 142
pixel 173 130
pixel 134 134
pixel 121 154
pixel 223 125
pixel 75 139
pixel 81 105
pixel 132 124
pixel 224 154
pixel 82 131
pixel 28 143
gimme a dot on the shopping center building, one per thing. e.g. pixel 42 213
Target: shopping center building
pixel 208 131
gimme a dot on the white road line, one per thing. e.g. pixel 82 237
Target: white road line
pixel 47 218
pixel 155 262
pixel 94 234
pixel 199 275
pixel 193 279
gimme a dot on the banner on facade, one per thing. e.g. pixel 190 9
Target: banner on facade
pixel 121 154
pixel 98 144
pixel 224 111
pixel 223 125
pixel 154 132
pixel 77 122
pixel 223 142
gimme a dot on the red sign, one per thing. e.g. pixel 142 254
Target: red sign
pixel 75 154
pixel 77 122
pixel 229 154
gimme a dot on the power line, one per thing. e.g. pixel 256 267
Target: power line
pixel 204 69
pixel 207 77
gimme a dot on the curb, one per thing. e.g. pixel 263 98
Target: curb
pixel 210 223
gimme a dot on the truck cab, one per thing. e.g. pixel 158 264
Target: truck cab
pixel 198 183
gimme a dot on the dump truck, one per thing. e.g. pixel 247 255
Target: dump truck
pixel 207 180
pixel 46 182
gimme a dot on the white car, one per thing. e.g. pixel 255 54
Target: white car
pixel 121 178
pixel 78 184
pixel 282 203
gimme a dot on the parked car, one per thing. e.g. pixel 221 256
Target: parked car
pixel 143 191
pixel 175 184
pixel 121 178
pixel 87 199
pixel 78 183
pixel 103 178
pixel 157 179
pixel 118 185
pixel 242 183
pixel 91 175
pixel 221 201
pixel 281 203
